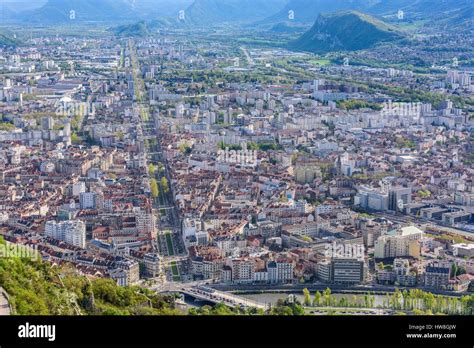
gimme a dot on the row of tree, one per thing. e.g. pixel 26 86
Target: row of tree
pixel 326 299
pixel 155 190
pixel 417 300
pixel 414 300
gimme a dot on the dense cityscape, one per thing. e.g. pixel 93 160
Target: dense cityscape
pixel 217 171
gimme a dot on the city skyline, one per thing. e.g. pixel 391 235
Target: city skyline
pixel 236 157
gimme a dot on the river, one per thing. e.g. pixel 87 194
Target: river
pixel 272 298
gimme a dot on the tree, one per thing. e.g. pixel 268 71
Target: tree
pixel 456 270
pixel 165 185
pixel 343 302
pixel 154 188
pixel 297 309
pixel 193 311
pixel 307 297
pixel 428 301
pixel 185 149
pixel 75 139
pixel 283 310
pixel 327 296
pixel 396 299
pixel 470 305
pixel 161 167
pixel 120 135
pixel 355 302
pixel 317 299
pixel 372 300
pixel 37 288
pixel 222 309
pixel 151 169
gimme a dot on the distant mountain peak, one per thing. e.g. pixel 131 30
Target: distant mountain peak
pixel 346 31
pixel 60 11
pixel 210 12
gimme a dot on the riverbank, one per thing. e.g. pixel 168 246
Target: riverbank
pixel 295 288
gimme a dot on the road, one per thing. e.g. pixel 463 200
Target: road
pixel 4 304
pixel 171 246
pixel 168 204
pixel 200 290
pixel 250 61
pixel 349 311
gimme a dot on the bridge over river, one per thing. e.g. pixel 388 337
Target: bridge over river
pixel 204 293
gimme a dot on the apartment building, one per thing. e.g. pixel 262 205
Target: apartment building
pixel 72 232
pixel 400 243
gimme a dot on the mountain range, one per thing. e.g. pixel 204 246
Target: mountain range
pixel 209 12
pixel 308 10
pixel 59 11
pixel 218 11
pixel 15 6
pixel 455 13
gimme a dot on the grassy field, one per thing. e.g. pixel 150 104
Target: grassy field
pixel 411 25
pixel 169 243
pixel 144 115
pixel 175 271
pixel 320 62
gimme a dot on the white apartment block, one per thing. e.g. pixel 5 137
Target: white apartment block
pixel 72 232
pixel 404 242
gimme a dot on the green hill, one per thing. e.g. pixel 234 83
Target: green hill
pixel 287 27
pixel 142 28
pixel 7 39
pixel 345 31
pixel 38 288
pixel 137 29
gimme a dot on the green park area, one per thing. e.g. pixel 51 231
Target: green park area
pixel 169 243
pixel 175 272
